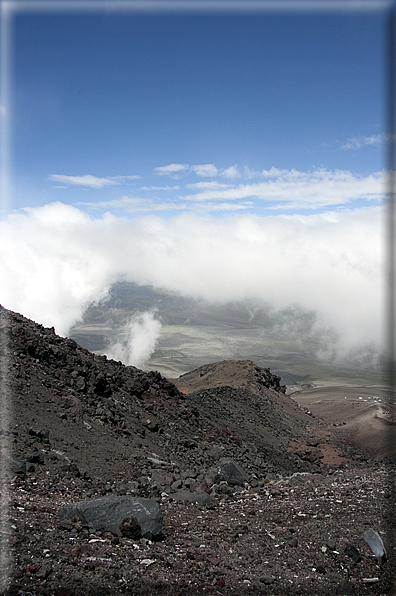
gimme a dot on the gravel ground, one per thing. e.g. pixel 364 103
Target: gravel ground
pixel 295 535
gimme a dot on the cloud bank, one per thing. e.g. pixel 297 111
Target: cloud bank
pixel 55 260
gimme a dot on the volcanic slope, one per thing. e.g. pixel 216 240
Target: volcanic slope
pixel 76 426
pixel 248 401
pixel 109 419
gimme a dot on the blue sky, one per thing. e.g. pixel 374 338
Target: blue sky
pixel 224 156
pixel 210 113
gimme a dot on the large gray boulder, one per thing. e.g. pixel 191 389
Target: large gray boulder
pixel 232 473
pixel 109 513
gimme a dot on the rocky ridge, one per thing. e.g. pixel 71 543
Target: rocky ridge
pixel 77 400
pixel 77 426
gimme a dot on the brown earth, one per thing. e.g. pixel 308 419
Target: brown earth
pixel 365 416
pixel 77 426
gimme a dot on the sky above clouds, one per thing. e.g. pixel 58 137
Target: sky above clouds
pixel 171 112
pixel 203 135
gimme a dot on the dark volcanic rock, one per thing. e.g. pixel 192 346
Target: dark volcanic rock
pixel 109 513
pixel 353 552
pixel 232 473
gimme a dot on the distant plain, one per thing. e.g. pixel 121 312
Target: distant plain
pixel 351 393
pixel 196 332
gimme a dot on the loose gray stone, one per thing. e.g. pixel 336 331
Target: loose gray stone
pixel 374 541
pixel 232 473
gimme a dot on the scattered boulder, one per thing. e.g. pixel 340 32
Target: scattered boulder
pixel 232 473
pixel 108 513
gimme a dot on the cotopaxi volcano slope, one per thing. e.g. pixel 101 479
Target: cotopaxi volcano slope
pixel 249 502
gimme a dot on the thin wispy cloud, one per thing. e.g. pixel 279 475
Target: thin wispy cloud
pixel 208 170
pixel 212 207
pixel 173 169
pixel 135 205
pixel 358 143
pixel 205 170
pixel 271 189
pixel 159 188
pixel 293 189
pixel 134 177
pixel 212 185
pixel 249 173
pixel 87 180
pixel 142 205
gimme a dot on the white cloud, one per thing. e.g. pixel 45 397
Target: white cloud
pixel 89 180
pixel 231 172
pixel 212 207
pixel 212 185
pixel 135 204
pixel 358 143
pixel 55 260
pixel 139 205
pixel 275 189
pixel 174 170
pixel 294 189
pixel 135 177
pixel 159 188
pixel 208 170
pixel 276 173
pixel 205 170
pixel 86 180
